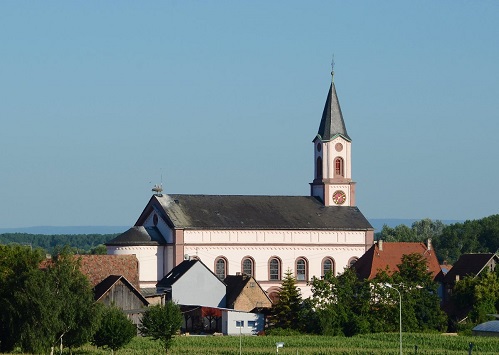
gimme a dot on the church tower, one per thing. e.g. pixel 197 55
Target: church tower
pixel 333 183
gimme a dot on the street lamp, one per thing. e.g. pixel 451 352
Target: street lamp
pixel 240 324
pixel 400 313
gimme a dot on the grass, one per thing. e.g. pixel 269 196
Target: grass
pixel 375 344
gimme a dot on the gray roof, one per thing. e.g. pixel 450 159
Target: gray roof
pixel 490 326
pixel 332 123
pixel 139 235
pixel 253 212
pixel 176 273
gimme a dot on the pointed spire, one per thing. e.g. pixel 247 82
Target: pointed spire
pixel 332 123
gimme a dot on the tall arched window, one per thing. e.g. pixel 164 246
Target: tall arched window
pixel 221 268
pixel 352 261
pixel 301 269
pixel 274 269
pixel 338 167
pixel 318 167
pixel 327 266
pixel 247 266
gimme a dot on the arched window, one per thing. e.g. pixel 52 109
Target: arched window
pixel 352 261
pixel 318 166
pixel 273 294
pixel 338 167
pixel 247 266
pixel 221 268
pixel 301 270
pixel 274 269
pixel 327 266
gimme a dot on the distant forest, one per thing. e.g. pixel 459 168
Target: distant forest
pixel 449 241
pixel 80 243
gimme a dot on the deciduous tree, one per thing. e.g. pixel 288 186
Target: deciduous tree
pixel 162 323
pixel 115 330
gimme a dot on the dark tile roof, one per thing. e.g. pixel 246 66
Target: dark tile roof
pixel 253 212
pixel 139 235
pixel 176 273
pixel 235 285
pixel 390 256
pixel 332 123
pixel 103 287
pixel 468 265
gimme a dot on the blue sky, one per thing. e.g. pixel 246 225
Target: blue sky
pixel 101 100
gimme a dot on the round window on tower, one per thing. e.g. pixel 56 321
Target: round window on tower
pixel 338 147
pixel 319 147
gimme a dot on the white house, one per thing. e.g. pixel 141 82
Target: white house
pixel 244 323
pixel 262 236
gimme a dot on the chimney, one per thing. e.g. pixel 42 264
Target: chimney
pixel 429 244
pixel 380 245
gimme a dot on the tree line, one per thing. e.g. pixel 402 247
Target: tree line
pixel 80 243
pixel 450 241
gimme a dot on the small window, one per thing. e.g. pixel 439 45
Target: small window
pixel 352 261
pixel 240 323
pixel 220 268
pixel 301 270
pixel 274 269
pixel 252 324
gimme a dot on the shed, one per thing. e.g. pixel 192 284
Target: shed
pixel 487 329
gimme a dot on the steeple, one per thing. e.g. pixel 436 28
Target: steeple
pixel 332 182
pixel 332 123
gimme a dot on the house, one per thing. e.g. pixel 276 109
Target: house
pixel 245 294
pixel 242 323
pixel 203 297
pixel 115 290
pixel 387 255
pixel 192 283
pixel 468 265
pixel 261 236
pixel 115 281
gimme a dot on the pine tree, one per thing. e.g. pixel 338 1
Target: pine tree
pixel 285 314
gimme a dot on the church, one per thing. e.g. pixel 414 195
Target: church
pixel 261 236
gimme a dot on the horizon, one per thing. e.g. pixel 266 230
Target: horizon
pixel 226 98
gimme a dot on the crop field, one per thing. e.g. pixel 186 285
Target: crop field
pixel 376 344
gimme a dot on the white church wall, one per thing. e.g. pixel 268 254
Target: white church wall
pixel 288 246
pixel 151 262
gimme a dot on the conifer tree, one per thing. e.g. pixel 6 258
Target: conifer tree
pixel 285 313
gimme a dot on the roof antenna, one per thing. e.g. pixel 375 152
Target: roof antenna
pixel 332 68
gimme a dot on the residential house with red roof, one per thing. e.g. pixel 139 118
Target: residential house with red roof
pixel 387 255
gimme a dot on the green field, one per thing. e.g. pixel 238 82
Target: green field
pixel 435 344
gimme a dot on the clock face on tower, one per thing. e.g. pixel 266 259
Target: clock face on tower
pixel 339 197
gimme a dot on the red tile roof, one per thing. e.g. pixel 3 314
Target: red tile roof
pixel 390 255
pixel 99 267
